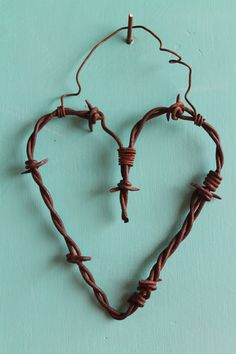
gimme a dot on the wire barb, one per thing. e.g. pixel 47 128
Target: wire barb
pixel 77 259
pixel 93 115
pixel 175 110
pixel 32 165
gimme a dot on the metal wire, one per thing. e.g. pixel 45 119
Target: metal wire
pixel 201 194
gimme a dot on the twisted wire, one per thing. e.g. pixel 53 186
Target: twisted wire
pixel 201 194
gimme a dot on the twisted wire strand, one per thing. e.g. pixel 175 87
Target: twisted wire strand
pixel 200 196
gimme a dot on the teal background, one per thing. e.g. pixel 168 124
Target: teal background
pixel 45 306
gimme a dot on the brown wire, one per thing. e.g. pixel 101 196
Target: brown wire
pixel 201 194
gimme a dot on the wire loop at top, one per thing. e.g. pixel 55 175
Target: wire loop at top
pixel 161 48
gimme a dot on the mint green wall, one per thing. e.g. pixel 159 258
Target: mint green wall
pixel 45 307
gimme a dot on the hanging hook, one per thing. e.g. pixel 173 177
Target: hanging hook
pixel 130 27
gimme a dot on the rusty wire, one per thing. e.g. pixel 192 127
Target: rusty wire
pixel 201 194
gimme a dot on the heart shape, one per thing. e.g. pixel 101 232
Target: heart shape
pixel 200 195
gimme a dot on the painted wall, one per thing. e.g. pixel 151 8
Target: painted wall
pixel 45 306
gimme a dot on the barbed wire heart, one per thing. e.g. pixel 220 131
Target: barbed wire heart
pixel 201 194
